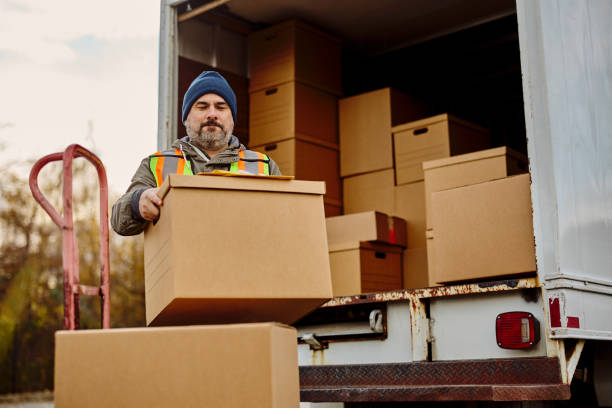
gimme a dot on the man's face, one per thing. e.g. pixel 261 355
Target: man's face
pixel 210 123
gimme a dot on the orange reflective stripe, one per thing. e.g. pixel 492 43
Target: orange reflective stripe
pixel 159 168
pixel 241 162
pixel 180 166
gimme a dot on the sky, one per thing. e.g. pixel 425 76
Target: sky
pixel 80 71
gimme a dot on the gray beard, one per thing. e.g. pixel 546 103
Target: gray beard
pixel 209 140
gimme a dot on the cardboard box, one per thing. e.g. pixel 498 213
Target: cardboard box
pixel 483 231
pixel 291 109
pixel 366 226
pixel 294 51
pixel 409 204
pixel 467 169
pixel 236 249
pixel 240 365
pixel 365 123
pixel 364 267
pixel 307 161
pixel 369 192
pixel 416 272
pixel 471 168
pixel 433 138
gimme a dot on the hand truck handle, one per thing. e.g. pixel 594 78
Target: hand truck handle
pixel 70 257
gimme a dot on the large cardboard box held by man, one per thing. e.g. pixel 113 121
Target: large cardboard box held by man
pixel 483 231
pixel 236 249
pixel 230 366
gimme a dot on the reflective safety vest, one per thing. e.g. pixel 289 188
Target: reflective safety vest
pixel 172 162
pixel 251 162
pixel 168 162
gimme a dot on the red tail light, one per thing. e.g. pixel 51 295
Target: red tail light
pixel 516 330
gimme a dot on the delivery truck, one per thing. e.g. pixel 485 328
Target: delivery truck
pixel 538 74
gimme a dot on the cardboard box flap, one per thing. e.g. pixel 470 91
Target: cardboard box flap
pixel 479 155
pixel 263 183
pixel 436 119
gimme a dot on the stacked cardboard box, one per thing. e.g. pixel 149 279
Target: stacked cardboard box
pixel 478 228
pixel 483 231
pixel 383 142
pixel 365 252
pixel 224 250
pixel 294 86
pixel 241 365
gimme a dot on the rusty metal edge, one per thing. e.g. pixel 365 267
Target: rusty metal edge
pixel 534 392
pixel 437 291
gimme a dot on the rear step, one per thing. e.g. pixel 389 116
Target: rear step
pixel 518 379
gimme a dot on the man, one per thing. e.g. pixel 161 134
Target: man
pixel 209 115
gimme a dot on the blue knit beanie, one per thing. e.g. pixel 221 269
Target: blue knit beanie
pixel 209 82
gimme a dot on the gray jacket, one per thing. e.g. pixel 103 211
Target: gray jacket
pixel 126 218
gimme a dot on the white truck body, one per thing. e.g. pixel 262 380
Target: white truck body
pixel 566 50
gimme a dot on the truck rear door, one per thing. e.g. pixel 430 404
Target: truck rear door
pixel 567 87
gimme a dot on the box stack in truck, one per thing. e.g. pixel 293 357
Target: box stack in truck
pixel 384 138
pixel 365 252
pixel 230 263
pixel 479 222
pixel 294 87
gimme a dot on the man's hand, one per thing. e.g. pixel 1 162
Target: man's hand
pixel 149 204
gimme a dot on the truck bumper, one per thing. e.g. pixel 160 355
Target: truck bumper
pixel 467 380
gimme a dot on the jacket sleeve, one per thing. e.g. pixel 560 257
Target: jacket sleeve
pixel 125 217
pixel 274 170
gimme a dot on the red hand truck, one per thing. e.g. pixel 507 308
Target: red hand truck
pixel 70 253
